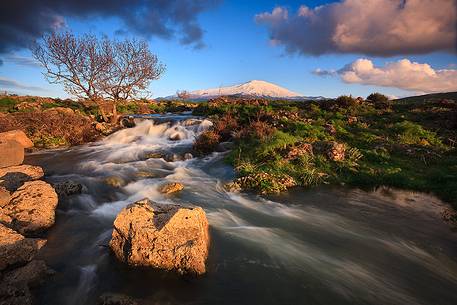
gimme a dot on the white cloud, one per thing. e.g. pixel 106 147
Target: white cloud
pixel 402 74
pixel 372 27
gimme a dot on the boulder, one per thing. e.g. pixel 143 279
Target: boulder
pixel 336 151
pixel 165 236
pixel 15 294
pixel 18 136
pixel 171 187
pixel 5 196
pixel 173 157
pixel 11 152
pixel 154 155
pixel 115 181
pixel 298 150
pixel 330 129
pixel 33 274
pixel 68 188
pixel 13 177
pixel 145 174
pixel 128 122
pixel 32 207
pixel 188 156
pixel 175 136
pixel 16 249
pixel 352 120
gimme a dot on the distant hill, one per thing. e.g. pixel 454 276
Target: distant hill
pixel 254 88
pixel 421 98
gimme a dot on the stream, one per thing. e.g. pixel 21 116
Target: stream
pixel 328 245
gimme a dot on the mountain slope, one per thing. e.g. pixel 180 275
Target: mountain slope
pixel 254 88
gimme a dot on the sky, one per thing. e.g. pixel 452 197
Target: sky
pixel 316 47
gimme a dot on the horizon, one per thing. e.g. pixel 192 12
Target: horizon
pixel 204 47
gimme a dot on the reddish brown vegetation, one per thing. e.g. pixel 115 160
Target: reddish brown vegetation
pixel 207 142
pixel 52 126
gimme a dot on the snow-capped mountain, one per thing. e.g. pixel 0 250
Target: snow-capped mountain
pixel 253 88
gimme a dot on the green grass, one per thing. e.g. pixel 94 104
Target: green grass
pixel 404 143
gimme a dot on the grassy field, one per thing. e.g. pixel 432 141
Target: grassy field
pixel 407 143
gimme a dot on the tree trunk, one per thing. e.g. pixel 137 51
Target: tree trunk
pixel 115 116
pixel 102 111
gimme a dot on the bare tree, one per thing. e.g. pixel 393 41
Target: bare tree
pixel 98 69
pixel 183 94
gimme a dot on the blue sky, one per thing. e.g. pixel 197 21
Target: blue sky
pixel 237 50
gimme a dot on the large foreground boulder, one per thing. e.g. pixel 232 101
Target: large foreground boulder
pixel 18 136
pixel 32 207
pixel 11 152
pixel 171 237
pixel 13 177
pixel 15 249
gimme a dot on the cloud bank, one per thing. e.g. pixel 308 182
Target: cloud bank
pixel 371 27
pixel 6 83
pixel 402 74
pixel 22 21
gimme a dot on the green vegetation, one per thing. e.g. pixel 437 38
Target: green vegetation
pixel 7 104
pixel 408 143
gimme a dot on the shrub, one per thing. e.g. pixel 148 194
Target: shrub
pixel 346 101
pixel 276 141
pixel 266 183
pixel 413 134
pixel 225 126
pixel 7 104
pixel 379 100
pixel 206 142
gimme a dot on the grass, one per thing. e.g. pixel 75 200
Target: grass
pixel 407 143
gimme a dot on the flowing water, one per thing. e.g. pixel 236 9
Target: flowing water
pixel 320 246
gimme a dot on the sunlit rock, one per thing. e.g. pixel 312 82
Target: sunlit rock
pixel 15 249
pixel 165 236
pixel 18 136
pixel 12 153
pixel 32 207
pixel 171 187
pixel 14 176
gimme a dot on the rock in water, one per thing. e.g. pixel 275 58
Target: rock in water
pixel 14 176
pixel 170 237
pixel 11 152
pixel 18 136
pixel 68 188
pixel 171 187
pixel 32 207
pixel 15 249
pixel 115 181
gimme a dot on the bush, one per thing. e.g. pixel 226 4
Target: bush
pixel 346 101
pixel 413 134
pixel 7 104
pixel 379 100
pixel 206 142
